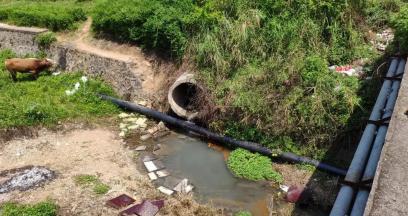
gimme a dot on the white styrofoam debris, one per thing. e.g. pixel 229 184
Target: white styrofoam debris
pixel 165 190
pixel 133 127
pixel 122 126
pixel 141 148
pixel 189 188
pixel 284 188
pixel 124 115
pixel 122 134
pixel 181 186
pixel 162 173
pixel 130 119
pixel 145 137
pixel 56 73
pixel 150 166
pixel 152 176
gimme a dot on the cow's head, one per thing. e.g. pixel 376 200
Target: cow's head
pixel 49 63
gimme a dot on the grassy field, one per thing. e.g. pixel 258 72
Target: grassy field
pixel 44 101
pixel 54 15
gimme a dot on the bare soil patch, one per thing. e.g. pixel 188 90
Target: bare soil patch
pixel 94 151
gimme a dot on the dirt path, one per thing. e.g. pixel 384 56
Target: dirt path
pixel 83 39
pixel 95 151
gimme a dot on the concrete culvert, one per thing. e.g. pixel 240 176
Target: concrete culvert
pixel 183 96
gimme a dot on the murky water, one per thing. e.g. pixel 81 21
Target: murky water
pixel 205 167
pixel 206 170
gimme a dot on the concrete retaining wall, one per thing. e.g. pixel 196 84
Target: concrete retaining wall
pixel 122 75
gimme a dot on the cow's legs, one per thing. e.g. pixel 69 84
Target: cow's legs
pixel 13 75
pixel 35 75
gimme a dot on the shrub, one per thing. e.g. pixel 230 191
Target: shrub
pixel 164 26
pixel 46 208
pixel 252 166
pixel 44 40
pixel 400 23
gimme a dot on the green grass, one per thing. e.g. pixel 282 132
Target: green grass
pixel 46 208
pixel 243 213
pixel 55 15
pixel 252 166
pixel 92 181
pixel 44 101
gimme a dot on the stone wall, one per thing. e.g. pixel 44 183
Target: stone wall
pixel 124 76
pixel 19 39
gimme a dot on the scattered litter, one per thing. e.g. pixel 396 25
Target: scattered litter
pixel 156 147
pixel 294 193
pixel 146 208
pixel 130 119
pixel 141 148
pixel 165 190
pixel 141 122
pixel 189 188
pixel 122 126
pixel 163 173
pixel 56 73
pixel 145 137
pixel 84 79
pixel 133 127
pixel 152 176
pixel 124 115
pixel 153 165
pixel 27 178
pixel 120 201
pixel 142 103
pixel 181 186
pixel 284 188
pixel 149 158
pixel 347 70
pixel 122 134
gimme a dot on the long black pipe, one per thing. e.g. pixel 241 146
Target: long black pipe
pixel 251 146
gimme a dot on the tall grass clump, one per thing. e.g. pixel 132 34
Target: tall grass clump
pixel 54 15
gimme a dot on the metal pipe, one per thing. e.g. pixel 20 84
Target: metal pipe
pixel 251 146
pixel 355 171
pixel 369 172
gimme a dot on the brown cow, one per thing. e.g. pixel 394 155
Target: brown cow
pixel 28 65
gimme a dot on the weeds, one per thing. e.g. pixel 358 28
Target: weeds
pixel 44 40
pixel 46 208
pixel 44 101
pixel 252 166
pixel 93 181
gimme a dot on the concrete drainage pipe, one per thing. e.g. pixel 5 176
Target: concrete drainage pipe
pixel 181 96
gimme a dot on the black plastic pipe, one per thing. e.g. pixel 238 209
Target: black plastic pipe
pixel 251 146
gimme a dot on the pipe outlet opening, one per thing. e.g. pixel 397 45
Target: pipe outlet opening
pixel 183 96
